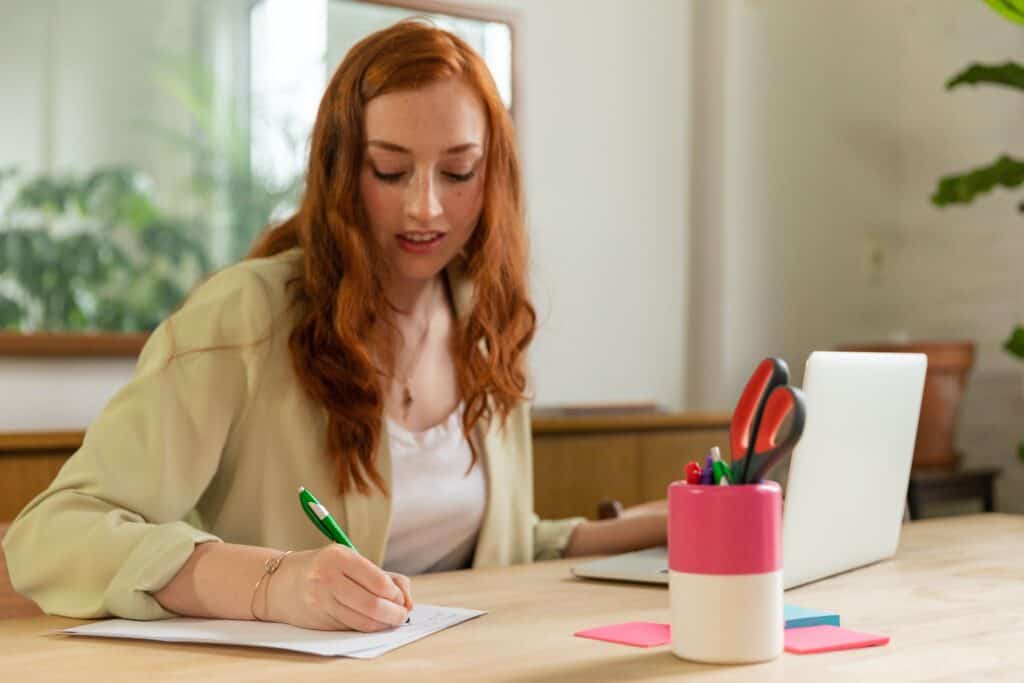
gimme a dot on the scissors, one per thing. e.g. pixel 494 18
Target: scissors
pixel 764 405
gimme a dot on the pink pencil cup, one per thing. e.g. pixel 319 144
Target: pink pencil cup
pixel 725 572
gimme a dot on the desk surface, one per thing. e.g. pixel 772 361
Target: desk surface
pixel 952 600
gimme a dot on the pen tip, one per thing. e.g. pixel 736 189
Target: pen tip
pixel 301 489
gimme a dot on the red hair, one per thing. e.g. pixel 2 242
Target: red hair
pixel 340 286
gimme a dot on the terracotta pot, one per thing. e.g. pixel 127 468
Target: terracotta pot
pixel 948 366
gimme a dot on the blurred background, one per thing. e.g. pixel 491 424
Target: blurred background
pixel 708 182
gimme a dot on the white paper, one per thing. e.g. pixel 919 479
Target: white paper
pixel 423 621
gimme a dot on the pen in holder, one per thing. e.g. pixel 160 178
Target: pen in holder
pixel 725 571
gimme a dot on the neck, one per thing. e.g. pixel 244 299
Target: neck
pixel 413 297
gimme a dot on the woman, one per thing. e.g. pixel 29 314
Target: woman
pixel 372 349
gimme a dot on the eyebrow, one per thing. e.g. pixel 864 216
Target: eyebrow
pixel 390 146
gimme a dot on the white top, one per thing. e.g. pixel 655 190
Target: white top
pixel 437 509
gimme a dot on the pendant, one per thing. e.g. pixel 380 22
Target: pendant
pixel 406 400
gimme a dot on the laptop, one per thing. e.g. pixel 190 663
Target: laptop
pixel 848 475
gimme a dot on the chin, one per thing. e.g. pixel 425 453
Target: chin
pixel 419 269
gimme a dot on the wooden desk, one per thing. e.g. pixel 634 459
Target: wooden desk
pixel 952 600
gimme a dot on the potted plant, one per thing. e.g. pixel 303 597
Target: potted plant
pixel 949 363
pixel 91 252
pixel 96 251
pixel 1006 171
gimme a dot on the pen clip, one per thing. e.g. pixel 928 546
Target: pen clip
pixel 307 506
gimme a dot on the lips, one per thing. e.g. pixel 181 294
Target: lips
pixel 420 237
pixel 419 242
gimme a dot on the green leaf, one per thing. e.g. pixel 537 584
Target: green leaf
pixel 1009 74
pixel 1011 9
pixel 962 188
pixel 1015 344
pixel 11 314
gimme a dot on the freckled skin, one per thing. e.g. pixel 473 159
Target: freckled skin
pixel 423 193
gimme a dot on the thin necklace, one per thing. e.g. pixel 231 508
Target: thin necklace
pixel 407 397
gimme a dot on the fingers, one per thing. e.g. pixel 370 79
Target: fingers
pixel 405 586
pixel 371 577
pixel 350 618
pixel 344 589
pixel 379 611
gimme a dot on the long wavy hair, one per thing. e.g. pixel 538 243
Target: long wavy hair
pixel 340 286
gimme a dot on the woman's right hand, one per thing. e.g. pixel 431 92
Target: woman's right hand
pixel 335 588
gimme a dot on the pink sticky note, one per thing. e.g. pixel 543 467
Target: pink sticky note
pixel 638 633
pixel 803 641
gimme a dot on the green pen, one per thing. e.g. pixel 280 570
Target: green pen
pixel 721 470
pixel 322 519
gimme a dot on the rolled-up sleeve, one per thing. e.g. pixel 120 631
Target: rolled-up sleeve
pixel 551 536
pixel 111 528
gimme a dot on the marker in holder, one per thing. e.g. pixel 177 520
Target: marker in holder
pixel 725 572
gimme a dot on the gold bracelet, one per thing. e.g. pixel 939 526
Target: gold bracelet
pixel 269 567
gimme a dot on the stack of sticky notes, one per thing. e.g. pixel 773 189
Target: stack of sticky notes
pixel 802 617
pixel 807 631
pixel 811 630
pixel 826 638
pixel 635 633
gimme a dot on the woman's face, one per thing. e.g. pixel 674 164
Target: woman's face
pixel 423 174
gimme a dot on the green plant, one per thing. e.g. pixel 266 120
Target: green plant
pixel 96 251
pixel 223 180
pixel 91 252
pixel 1006 171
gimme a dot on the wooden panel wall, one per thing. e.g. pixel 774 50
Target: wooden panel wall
pixel 28 463
pixel 578 461
pixel 574 471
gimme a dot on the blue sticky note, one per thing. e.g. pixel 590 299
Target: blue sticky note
pixel 799 617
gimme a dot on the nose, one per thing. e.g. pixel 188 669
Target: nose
pixel 421 201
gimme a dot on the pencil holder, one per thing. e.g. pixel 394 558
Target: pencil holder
pixel 725 572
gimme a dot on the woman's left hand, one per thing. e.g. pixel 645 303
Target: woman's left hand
pixel 639 526
pixel 654 507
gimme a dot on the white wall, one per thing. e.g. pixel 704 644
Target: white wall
pixel 23 56
pixel 57 394
pixel 795 94
pixel 79 88
pixel 824 127
pixel 604 110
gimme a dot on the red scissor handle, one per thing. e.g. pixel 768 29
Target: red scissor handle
pixel 784 401
pixel 770 373
pixel 776 408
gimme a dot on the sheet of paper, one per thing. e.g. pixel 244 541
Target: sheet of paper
pixel 424 620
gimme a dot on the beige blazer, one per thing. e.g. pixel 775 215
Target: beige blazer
pixel 214 445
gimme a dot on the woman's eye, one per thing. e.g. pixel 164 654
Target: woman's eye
pixel 395 177
pixel 388 177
